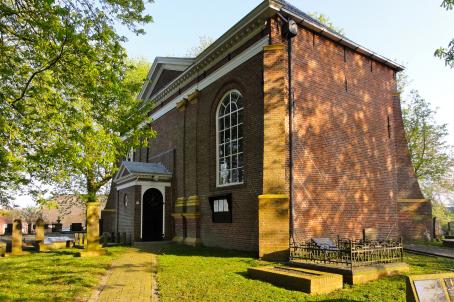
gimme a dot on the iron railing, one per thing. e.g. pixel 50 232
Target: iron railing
pixel 349 253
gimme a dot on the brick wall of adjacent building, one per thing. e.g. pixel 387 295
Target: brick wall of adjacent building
pixel 344 156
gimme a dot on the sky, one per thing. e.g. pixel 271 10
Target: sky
pixel 405 31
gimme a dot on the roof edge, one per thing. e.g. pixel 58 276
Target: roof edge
pixel 324 31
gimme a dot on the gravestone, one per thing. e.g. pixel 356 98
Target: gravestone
pixel 2 249
pixel 370 234
pixel 16 239
pixel 324 243
pixel 451 228
pixel 57 227
pixel 9 229
pixel 437 228
pixel 39 235
pixel 76 227
pixel 93 247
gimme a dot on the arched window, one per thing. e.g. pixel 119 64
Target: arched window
pixel 125 201
pixel 229 139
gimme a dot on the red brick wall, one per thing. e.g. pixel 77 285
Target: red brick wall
pixel 415 219
pixel 344 158
pixel 191 132
pixel 242 232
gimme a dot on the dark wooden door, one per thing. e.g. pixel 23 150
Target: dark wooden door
pixel 152 215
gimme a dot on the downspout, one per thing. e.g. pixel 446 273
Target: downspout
pixel 290 30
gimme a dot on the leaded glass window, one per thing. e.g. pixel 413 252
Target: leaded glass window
pixel 230 166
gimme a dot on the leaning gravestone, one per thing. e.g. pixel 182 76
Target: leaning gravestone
pixel 17 238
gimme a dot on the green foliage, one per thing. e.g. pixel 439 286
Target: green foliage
pixel 431 155
pixel 52 276
pixel 440 211
pixel 57 58
pixel 90 138
pixel 325 20
pixel 204 43
pixel 426 138
pixel 447 53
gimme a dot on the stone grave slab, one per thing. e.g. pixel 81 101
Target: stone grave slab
pixel 448 242
pixel 305 280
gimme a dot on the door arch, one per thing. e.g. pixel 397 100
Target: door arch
pixel 152 215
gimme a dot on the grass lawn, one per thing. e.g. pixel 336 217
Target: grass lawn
pixel 52 276
pixel 207 274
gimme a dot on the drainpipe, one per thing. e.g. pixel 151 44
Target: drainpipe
pixel 290 30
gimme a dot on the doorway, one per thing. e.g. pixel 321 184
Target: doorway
pixel 152 220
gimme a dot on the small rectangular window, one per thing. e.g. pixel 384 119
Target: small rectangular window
pixel 221 208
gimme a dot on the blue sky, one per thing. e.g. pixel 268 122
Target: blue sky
pixel 406 31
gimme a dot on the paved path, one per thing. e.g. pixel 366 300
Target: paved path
pixel 430 250
pixel 130 279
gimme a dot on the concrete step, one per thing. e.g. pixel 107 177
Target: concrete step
pixel 146 244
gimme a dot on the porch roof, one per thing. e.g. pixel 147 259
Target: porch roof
pixel 145 168
pixel 132 172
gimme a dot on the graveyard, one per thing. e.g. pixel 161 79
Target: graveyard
pixel 285 156
pixel 34 268
pixel 185 273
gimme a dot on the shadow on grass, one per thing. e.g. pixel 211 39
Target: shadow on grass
pixel 184 250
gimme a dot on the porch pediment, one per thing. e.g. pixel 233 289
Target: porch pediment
pixel 131 172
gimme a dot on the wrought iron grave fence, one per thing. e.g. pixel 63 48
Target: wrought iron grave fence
pixel 345 252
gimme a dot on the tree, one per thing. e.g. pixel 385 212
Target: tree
pixel 30 215
pixel 429 151
pixel 94 135
pixel 323 19
pixel 431 156
pixel 447 54
pixel 204 42
pixel 54 55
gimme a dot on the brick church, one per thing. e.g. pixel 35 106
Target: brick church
pixel 281 130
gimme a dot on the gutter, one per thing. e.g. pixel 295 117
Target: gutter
pixel 342 40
